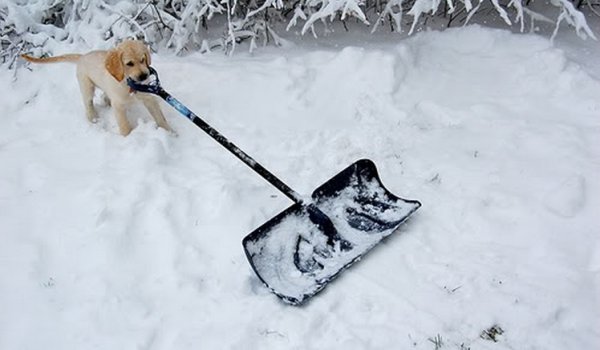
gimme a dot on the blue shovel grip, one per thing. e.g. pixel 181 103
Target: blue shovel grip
pixel 152 86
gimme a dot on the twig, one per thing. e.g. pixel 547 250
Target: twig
pixel 131 21
pixel 437 341
pixel 161 19
pixel 592 8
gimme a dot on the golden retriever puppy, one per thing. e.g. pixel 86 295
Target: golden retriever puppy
pixel 108 70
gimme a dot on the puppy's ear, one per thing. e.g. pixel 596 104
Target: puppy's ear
pixel 114 66
pixel 147 54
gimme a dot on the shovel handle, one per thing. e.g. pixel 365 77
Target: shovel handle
pixel 155 88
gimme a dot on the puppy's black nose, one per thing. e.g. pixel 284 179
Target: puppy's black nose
pixel 142 76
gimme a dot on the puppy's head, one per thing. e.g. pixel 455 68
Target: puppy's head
pixel 130 59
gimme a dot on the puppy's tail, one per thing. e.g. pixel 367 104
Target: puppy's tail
pixel 64 58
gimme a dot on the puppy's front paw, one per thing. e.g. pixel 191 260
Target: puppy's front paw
pixel 92 116
pixel 167 128
pixel 125 130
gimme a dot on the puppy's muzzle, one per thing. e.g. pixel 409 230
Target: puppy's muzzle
pixel 142 77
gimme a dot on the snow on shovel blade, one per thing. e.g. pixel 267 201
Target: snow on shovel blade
pixel 298 252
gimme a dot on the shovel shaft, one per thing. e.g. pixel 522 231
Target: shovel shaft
pixel 243 156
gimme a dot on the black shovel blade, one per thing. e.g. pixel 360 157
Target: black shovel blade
pixel 299 251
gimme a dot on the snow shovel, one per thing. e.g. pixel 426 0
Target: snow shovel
pixel 299 251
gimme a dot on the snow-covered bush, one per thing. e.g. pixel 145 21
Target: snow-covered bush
pixel 186 25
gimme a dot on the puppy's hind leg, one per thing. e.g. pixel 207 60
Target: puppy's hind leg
pixel 87 88
pixel 105 100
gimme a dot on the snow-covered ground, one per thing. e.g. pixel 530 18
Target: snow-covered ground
pixel 135 243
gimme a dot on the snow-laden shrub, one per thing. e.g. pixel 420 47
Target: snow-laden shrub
pixel 38 26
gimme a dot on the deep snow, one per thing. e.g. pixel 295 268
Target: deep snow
pixel 135 243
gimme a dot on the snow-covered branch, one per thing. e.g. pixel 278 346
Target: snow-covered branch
pixel 41 26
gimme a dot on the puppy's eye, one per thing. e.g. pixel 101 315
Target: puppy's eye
pixel 130 64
